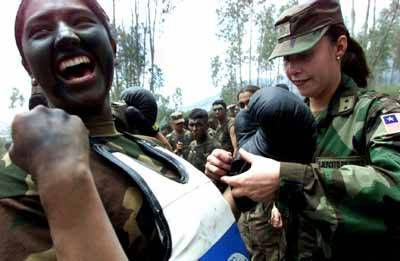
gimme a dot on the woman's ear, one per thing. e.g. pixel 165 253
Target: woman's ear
pixel 341 46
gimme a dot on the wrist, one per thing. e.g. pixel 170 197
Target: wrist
pixel 57 184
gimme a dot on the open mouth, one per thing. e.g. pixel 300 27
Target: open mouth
pixel 78 69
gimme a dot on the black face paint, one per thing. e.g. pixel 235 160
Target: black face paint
pixel 69 52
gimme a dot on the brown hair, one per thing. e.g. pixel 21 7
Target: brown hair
pixel 354 63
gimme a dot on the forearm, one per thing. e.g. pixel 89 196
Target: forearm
pixel 79 225
pixel 349 197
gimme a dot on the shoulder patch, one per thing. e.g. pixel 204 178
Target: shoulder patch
pixel 391 122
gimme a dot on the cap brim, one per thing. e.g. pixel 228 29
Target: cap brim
pixel 298 45
pixel 179 121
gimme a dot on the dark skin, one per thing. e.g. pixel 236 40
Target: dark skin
pixel 55 150
pixel 198 127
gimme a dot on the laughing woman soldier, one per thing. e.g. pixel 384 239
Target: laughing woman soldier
pixel 72 187
pixel 346 206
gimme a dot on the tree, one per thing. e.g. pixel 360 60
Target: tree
pixel 381 42
pixel 16 99
pixel 216 70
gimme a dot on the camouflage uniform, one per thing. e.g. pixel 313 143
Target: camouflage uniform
pixel 25 234
pixel 185 138
pixel 223 136
pixel 263 241
pixel 211 132
pixel 346 206
pixel 198 153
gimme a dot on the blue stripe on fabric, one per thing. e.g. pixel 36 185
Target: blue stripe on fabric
pixel 230 247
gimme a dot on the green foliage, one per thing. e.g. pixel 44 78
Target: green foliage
pixel 16 99
pixel 3 143
pixel 381 42
pixel 130 59
pixel 393 89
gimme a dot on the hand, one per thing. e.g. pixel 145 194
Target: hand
pixel 218 164
pixel 276 218
pixel 48 141
pixel 260 182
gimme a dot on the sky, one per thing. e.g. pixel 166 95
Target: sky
pixel 185 48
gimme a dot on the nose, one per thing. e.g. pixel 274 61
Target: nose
pixel 66 37
pixel 292 67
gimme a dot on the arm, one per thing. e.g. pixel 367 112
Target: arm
pixel 163 140
pixel 55 152
pixel 232 134
pixel 351 198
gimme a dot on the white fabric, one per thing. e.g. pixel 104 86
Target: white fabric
pixel 197 214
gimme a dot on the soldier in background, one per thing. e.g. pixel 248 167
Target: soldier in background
pixel 179 138
pixel 244 95
pixel 225 133
pixel 37 96
pixel 232 110
pixel 202 144
pixel 212 123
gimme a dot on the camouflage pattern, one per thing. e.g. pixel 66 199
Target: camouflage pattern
pixel 173 139
pixel 198 153
pixel 222 134
pixel 211 132
pixel 24 230
pixel 263 241
pixel 300 27
pixel 346 206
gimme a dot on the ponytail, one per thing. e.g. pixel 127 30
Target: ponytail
pixel 354 63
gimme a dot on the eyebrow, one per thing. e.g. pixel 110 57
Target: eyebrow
pixel 48 15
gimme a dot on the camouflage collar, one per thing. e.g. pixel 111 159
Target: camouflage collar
pixel 345 98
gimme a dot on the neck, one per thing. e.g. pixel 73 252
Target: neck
pixel 202 139
pixel 101 123
pixel 321 102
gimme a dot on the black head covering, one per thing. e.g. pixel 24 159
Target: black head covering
pixel 141 113
pixel 277 124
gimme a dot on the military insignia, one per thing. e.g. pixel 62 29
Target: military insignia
pixel 346 103
pixel 283 30
pixel 391 122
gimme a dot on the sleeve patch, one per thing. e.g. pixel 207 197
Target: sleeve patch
pixel 391 122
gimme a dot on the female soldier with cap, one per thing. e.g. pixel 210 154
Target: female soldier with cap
pixel 65 198
pixel 347 204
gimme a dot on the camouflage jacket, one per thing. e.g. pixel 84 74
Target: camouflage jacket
pixel 347 205
pixel 198 153
pixel 185 138
pixel 223 136
pixel 24 230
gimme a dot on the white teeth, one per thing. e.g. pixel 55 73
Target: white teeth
pixel 73 62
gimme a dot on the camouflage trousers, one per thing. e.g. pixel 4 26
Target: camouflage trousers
pixel 263 241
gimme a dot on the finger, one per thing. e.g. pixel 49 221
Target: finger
pixel 212 160
pixel 214 172
pixel 223 155
pixel 238 192
pixel 247 156
pixel 234 181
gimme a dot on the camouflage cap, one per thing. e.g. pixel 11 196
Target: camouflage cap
pixel 177 117
pixel 301 27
